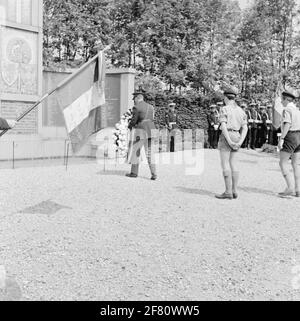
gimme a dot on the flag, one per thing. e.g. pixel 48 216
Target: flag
pixel 81 99
pixel 278 108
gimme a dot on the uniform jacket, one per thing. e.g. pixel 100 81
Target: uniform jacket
pixel 143 120
pixel 213 119
pixel 171 118
pixel 3 124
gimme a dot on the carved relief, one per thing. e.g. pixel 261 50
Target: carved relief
pixel 18 65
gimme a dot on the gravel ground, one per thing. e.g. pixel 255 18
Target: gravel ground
pixel 85 234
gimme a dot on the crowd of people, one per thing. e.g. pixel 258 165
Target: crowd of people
pixel 259 121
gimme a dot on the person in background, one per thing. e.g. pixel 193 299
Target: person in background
pixel 171 119
pixel 259 123
pixel 270 124
pixel 244 108
pixel 252 121
pixel 289 143
pixel 265 125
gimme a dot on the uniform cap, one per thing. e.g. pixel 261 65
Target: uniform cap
pixel 230 90
pixel 290 92
pixel 213 106
pixel 172 104
pixel 139 91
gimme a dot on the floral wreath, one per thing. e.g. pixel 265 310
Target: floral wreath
pixel 120 134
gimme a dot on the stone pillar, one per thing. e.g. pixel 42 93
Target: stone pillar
pixel 21 40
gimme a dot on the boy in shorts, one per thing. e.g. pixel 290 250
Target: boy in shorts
pixel 289 144
pixel 234 128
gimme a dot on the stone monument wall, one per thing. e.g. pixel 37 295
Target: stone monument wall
pixel 21 62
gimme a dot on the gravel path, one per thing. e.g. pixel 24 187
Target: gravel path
pixel 89 235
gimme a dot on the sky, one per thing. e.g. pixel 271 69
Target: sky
pixel 245 3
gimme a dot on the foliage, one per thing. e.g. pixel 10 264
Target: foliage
pixel 181 46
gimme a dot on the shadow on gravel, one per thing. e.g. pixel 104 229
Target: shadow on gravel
pixel 255 190
pixel 113 173
pixel 195 191
pixel 45 208
pixel 249 161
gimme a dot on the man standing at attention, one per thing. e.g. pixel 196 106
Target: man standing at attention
pixel 171 123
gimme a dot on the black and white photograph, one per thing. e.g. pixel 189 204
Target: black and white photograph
pixel 149 152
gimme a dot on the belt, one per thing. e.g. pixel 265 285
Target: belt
pixel 233 130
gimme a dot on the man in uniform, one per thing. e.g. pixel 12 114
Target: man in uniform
pixel 259 121
pixel 244 108
pixel 270 124
pixel 171 123
pixel 252 121
pixel 265 125
pixel 220 105
pixel 142 124
pixel 213 126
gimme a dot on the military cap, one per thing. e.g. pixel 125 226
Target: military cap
pixel 213 106
pixel 172 104
pixel 269 106
pixel 139 91
pixel 230 90
pixel 220 103
pixel 290 92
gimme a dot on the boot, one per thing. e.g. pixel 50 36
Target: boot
pixel 134 171
pixel 235 181
pixel 153 172
pixel 228 185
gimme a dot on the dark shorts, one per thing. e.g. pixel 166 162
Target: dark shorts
pixel 291 143
pixel 223 144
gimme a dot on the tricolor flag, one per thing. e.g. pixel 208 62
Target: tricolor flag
pixel 81 98
pixel 278 108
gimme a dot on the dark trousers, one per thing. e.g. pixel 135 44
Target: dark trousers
pixel 264 135
pixel 214 138
pixel 259 136
pixel 253 137
pixel 270 136
pixel 172 144
pixel 247 139
pixel 210 137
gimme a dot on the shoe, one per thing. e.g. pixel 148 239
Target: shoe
pixel 297 194
pixel 235 196
pixel 153 178
pixel 286 193
pixel 131 175
pixel 224 196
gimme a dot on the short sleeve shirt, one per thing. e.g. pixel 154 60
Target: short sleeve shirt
pixel 291 115
pixel 234 116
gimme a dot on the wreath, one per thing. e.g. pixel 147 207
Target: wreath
pixel 120 134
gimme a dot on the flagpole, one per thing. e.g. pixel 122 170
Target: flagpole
pixel 59 86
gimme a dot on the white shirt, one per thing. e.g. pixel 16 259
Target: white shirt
pixel 291 115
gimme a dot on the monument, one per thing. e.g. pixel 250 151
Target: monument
pixel 23 81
